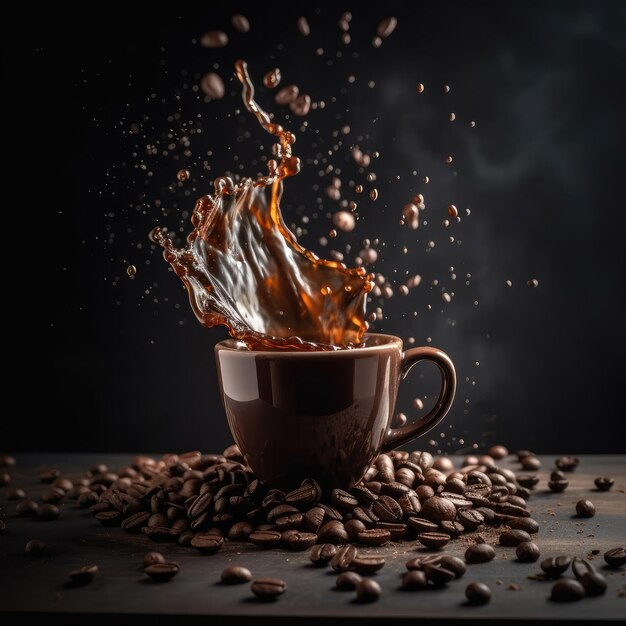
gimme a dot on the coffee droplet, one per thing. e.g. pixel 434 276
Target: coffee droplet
pixel 182 175
pixel 214 39
pixel 374 194
pixel 286 95
pixel 420 88
pixel 131 270
pixel 326 291
pixel 418 404
pixel 344 221
pixel 212 85
pixel 386 27
pixel 303 26
pixel 448 160
pixel 272 78
pixel 533 282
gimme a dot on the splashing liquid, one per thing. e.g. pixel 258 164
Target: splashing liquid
pixel 243 268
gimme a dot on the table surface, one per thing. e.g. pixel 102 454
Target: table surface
pixel 38 585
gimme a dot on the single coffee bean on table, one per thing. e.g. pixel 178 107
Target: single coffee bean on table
pixel 35 547
pixel 48 512
pixel 513 537
pixel 235 575
pixel 83 575
pixel 585 508
pixel 268 588
pixel 477 593
pixel 479 553
pixel 368 590
pixel 414 580
pixel 152 557
pixel 567 590
pixel 322 554
pixel 554 566
pixel 615 557
pixel 558 485
pixel 162 572
pixel 434 541
pixel 374 537
pixel 438 574
pixel 603 483
pixel 567 463
pixel 594 583
pixel 300 541
pixel 343 558
pixel 527 552
pixel 347 581
pixel 367 564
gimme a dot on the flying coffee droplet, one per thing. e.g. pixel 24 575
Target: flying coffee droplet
pixel 301 105
pixel 472 124
pixel 303 26
pixel 420 88
pixel 182 175
pixel 452 211
pixel 374 194
pixel 403 290
pixel 452 117
pixel 369 255
pixel 213 86
pixel 332 233
pixel 446 89
pixel 410 215
pixel 446 297
pixel 344 220
pixel 326 291
pixel 509 283
pixel 377 42
pixel 272 78
pixel 131 270
pixel 418 404
pixel 533 282
pixel 448 160
pixel 240 23
pixel 426 180
pixel 287 95
pixel 386 27
pixel 214 39
pixel 401 420
pixel 359 189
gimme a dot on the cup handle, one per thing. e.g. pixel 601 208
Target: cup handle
pixel 397 436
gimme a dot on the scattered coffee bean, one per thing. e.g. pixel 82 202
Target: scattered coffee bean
pixel 454 564
pixel 581 567
pixel 554 566
pixel 420 525
pixel 16 494
pixel 479 553
pixel 594 583
pixel 210 543
pixel 567 590
pixel 387 509
pixel 150 558
pixel 347 581
pixel 343 558
pixel 604 483
pixel 558 485
pixel 83 576
pixel 367 564
pixel 48 512
pixel 437 509
pixel 477 593
pixel 162 572
pixel 531 463
pixel 265 538
pixel 414 580
pixel 438 574
pixel 513 537
pixel 5 479
pixel 434 541
pixel 523 453
pixel 235 575
pixel 470 519
pixel 585 508
pixel 567 463
pixel 299 541
pixel 333 532
pixel 498 452
pixel 528 524
pixel 322 554
pixel 35 547
pixel 268 588
pixel 6 460
pixel 368 590
pixel 615 557
pixel 214 39
pixel 396 531
pixel 136 522
pixel 452 528
pixel 527 552
pixel 27 508
pixel 527 480
pixel 49 476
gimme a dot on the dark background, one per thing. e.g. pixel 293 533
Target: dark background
pixel 121 365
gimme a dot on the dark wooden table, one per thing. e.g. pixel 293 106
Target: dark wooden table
pixel 121 591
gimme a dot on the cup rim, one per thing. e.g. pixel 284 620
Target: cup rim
pixel 390 341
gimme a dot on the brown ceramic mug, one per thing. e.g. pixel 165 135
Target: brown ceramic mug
pixel 322 415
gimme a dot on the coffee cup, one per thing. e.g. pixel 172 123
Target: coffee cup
pixel 322 414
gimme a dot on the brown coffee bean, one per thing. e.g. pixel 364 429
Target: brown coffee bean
pixel 301 541
pixel 615 557
pixel 235 575
pixel 240 23
pixel 265 538
pixel 498 452
pixel 16 494
pixel 343 500
pixel 367 517
pixel 394 489
pixel 313 519
pixel 452 528
pixel 531 463
pixel 387 509
pixel 479 553
pixel 396 531
pixel 150 558
pixel 594 583
pixel 434 541
pixel 353 528
pixel 477 593
pixel 156 533
pixel 214 39
pixel 136 522
pixel 438 574
pixel 368 590
pixel 49 476
pixel 200 505
pixel 367 564
pixel 282 510
pixel 5 479
pixel 567 463
pixel 414 580
pixel 343 558
pixel 347 581
pixel 558 485
pixel 6 460
pixel 528 524
pixel 295 520
pixel 162 572
pixel 437 509
pixel 309 491
pixel 585 508
pixel 554 566
pixel 333 532
pixel 184 539
pixel 511 510
pixel 35 547
pixel 301 105
pixel 210 543
pixel 424 492
pixel 514 537
pixel 48 512
pixel 87 499
pixel 287 95
pixel 374 537
pixel 527 480
pixel 420 525
pixel 567 590
pixel 420 561
pixel 410 504
pixel 83 575
pixel 27 508
pixel 603 483
pixel 268 588
pixel 322 554
pixel 386 27
pixel 527 552
pixel 470 519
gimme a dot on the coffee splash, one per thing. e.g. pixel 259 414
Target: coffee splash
pixel 244 269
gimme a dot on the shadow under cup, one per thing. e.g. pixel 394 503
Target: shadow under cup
pixel 322 415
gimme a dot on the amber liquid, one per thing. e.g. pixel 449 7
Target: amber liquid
pixel 243 268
